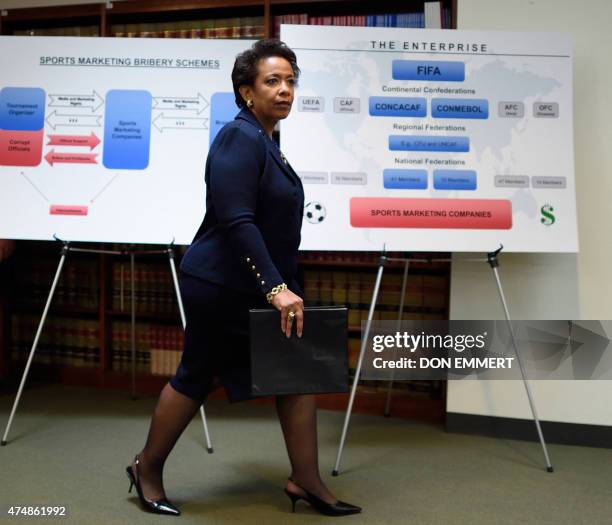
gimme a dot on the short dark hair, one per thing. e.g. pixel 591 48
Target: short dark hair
pixel 245 66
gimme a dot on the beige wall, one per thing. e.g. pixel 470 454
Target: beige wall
pixel 541 286
pixel 590 25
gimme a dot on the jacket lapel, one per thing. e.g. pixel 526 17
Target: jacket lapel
pixel 274 151
pixel 283 163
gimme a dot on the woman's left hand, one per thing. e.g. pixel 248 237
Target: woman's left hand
pixel 289 303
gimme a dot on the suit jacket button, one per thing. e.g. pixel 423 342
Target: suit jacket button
pixel 253 267
pixel 248 259
pixel 263 282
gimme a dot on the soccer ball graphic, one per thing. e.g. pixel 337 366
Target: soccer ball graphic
pixel 314 212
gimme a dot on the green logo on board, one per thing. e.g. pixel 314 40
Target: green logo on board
pixel 548 218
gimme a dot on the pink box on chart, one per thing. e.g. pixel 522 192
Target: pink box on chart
pixel 471 214
pixel 66 209
pixel 21 148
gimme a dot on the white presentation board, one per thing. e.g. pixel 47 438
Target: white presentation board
pixel 105 139
pixel 433 140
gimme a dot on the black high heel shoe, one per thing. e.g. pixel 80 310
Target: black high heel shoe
pixel 160 506
pixel 340 508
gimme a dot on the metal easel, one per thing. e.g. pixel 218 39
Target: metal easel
pixel 492 260
pixel 66 249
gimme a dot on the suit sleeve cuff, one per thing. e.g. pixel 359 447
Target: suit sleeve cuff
pixel 266 279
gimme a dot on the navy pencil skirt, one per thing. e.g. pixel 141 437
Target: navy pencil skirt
pixel 216 346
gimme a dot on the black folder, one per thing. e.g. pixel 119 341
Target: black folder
pixel 316 363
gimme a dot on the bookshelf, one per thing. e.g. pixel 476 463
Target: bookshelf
pixel 183 18
pixel 4 324
pixel 347 278
pixel 85 339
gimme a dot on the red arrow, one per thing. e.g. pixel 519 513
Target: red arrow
pixel 74 140
pixel 70 158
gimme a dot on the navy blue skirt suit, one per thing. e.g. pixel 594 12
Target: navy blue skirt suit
pixel 247 244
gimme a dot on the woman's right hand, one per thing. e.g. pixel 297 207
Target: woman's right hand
pixel 285 302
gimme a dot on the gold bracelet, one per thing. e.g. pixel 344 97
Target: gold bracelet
pixel 276 290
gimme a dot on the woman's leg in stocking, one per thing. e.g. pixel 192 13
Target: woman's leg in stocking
pixel 172 414
pixel 298 419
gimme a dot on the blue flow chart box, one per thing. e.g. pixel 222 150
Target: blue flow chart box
pixel 223 109
pixel 428 70
pixel 398 107
pixel 468 108
pixel 429 143
pixel 127 129
pixel 454 179
pixel 22 109
pixel 405 179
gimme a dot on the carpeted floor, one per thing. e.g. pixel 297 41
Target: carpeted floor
pixel 70 446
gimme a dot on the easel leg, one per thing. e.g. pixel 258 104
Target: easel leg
pixel 179 300
pixel 35 343
pixel 397 328
pixel 494 263
pixel 364 340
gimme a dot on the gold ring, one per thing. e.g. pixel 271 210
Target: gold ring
pixel 291 315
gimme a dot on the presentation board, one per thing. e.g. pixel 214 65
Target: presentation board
pixel 433 140
pixel 105 139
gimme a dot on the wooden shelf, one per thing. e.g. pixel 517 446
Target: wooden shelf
pixel 348 264
pixel 349 7
pixel 64 13
pixel 54 310
pixel 142 316
pixel 145 383
pixel 423 268
pixel 101 15
pixel 165 6
pixel 93 376
pixel 69 374
pixel 380 5
pixel 4 323
pixel 54 249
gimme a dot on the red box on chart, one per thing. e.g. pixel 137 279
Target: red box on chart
pixel 21 148
pixel 470 214
pixel 67 209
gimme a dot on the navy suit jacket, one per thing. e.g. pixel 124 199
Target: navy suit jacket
pixel 250 234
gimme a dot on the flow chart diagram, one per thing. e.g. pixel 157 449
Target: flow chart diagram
pixel 106 140
pixel 427 140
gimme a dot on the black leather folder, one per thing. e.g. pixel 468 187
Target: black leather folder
pixel 316 363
